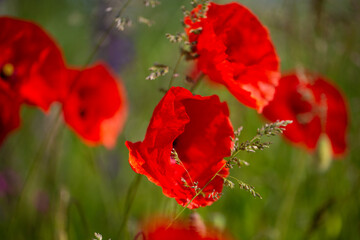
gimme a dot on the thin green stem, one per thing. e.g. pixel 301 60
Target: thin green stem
pixel 77 206
pixel 296 176
pixel 130 196
pixel 187 172
pixel 231 177
pixel 233 154
pixel 197 82
pixel 109 202
pixel 175 70
pixel 197 194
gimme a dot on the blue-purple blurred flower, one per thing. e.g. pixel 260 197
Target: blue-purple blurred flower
pixel 118 49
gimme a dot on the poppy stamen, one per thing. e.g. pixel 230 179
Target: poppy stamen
pixel 7 71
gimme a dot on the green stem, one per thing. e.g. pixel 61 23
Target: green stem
pixel 130 196
pixel 197 194
pixel 108 201
pixel 197 82
pixel 296 176
pixel 77 206
pixel 175 70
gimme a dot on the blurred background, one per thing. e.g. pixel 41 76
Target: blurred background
pixel 74 190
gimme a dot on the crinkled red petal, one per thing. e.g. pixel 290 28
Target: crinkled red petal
pixel 198 128
pixel 235 50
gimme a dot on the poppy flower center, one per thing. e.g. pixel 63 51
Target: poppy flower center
pixel 203 142
pixel 82 112
pixel 7 71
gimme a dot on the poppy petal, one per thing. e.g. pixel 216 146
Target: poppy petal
pixel 38 73
pixel 198 132
pixel 235 50
pixel 96 106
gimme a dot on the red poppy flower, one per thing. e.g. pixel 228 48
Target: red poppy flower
pixel 9 112
pixel 30 63
pixel 315 106
pixel 96 106
pixel 159 229
pixel 234 49
pixel 185 143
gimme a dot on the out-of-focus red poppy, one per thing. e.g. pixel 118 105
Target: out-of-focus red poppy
pixel 9 112
pixel 159 229
pixel 234 49
pixel 316 107
pixel 96 105
pixel 185 143
pixel 31 64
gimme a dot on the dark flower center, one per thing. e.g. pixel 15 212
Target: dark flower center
pixel 7 71
pixel 82 113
